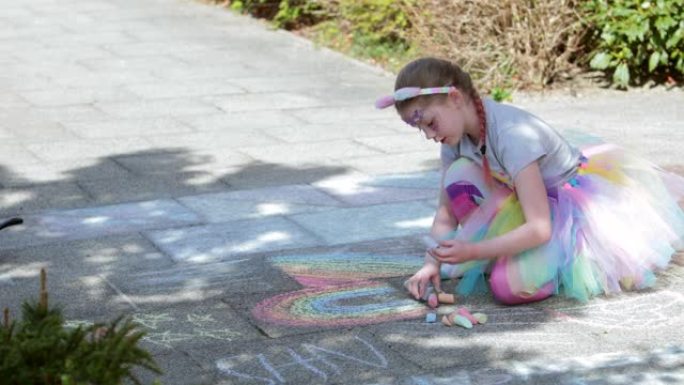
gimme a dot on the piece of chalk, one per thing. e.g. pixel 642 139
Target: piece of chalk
pixel 446 309
pixel 480 317
pixel 464 312
pixel 432 301
pixel 431 317
pixel 462 321
pixel 446 298
pixel 446 320
pixel 430 242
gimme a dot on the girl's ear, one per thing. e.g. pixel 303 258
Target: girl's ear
pixel 456 96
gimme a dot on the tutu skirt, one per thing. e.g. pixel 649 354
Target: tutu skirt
pixel 615 223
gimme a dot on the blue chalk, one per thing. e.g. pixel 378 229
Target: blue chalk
pixel 431 317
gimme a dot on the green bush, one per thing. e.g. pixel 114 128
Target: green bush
pixel 39 350
pixel 637 40
pixel 287 14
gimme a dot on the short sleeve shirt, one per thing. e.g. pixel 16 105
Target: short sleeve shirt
pixel 516 138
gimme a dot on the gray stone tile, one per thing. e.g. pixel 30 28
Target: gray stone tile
pixel 127 127
pixel 246 121
pixel 12 154
pixel 419 180
pixel 149 187
pixel 31 129
pixel 87 148
pixel 179 159
pixel 298 133
pixel 360 113
pixel 128 64
pixel 368 223
pixel 259 203
pixel 65 97
pixel 64 225
pixel 347 357
pixel 394 144
pixel 163 90
pixel 61 171
pixel 34 198
pixel 226 139
pixel 157 108
pixel 265 101
pixel 409 162
pixel 70 113
pixel 231 240
pixel 362 190
pixel 114 79
pixel 262 174
pixel 308 153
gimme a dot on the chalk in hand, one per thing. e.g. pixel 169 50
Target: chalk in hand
pixel 430 242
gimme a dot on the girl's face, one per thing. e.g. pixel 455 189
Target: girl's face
pixel 440 121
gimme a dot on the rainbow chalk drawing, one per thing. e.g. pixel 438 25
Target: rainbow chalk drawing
pixel 338 291
pixel 357 303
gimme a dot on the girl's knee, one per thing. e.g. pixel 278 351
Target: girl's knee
pixel 504 292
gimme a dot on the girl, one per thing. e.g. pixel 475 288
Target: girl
pixel 538 215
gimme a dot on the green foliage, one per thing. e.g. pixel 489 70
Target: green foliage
pixel 288 14
pixel 637 40
pixel 40 350
pixel 501 94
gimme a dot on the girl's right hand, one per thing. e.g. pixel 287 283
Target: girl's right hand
pixel 418 283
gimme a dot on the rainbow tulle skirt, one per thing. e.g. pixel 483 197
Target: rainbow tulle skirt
pixel 616 222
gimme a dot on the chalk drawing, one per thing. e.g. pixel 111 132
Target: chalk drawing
pixel 335 268
pixel 319 362
pixel 358 303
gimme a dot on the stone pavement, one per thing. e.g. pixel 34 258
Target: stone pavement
pixel 232 189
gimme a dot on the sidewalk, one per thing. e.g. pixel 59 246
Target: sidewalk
pixel 232 189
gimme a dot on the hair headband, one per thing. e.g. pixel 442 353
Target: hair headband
pixel 408 93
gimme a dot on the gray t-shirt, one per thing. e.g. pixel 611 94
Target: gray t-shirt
pixel 516 138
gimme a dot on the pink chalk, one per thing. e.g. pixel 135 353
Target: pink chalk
pixel 432 301
pixel 465 313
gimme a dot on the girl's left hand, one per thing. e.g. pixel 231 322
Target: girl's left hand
pixel 453 251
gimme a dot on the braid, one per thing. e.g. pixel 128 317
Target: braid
pixel 482 118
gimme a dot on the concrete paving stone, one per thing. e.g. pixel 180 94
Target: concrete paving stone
pixel 397 163
pixel 130 64
pixel 368 223
pixel 298 133
pixel 177 369
pixel 361 190
pixel 148 187
pixel 85 223
pixel 360 113
pixel 75 294
pixel 225 71
pixel 329 358
pixel 63 171
pixel 171 160
pixel 65 56
pixel 259 203
pixel 309 153
pixel 162 48
pixel 71 113
pixel 196 282
pixel 395 144
pixel 226 139
pixel 12 154
pixel 32 129
pixel 231 240
pixel 64 97
pixel 34 198
pixel 89 148
pixel 274 83
pixel 207 87
pixel 156 108
pixel 247 121
pixel 120 128
pixel 260 174
pixel 17 83
pixel 419 180
pixel 12 100
pixel 109 79
pixel 76 38
pixel 264 101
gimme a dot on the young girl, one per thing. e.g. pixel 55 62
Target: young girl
pixel 535 214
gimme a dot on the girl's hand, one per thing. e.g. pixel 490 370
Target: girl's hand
pixel 418 283
pixel 453 251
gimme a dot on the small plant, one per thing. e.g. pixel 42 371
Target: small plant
pixel 40 350
pixel 501 94
pixel 637 39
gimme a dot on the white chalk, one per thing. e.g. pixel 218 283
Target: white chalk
pixel 430 242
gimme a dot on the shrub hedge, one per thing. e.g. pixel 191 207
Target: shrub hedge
pixel 504 43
